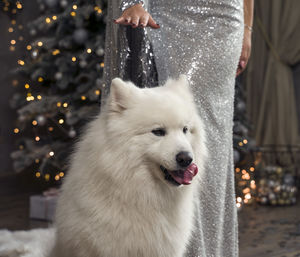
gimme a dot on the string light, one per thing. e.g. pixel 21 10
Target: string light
pixel 83 98
pixel 19 5
pixel 61 121
pixel 51 153
pixel 16 130
pixel 248 196
pixel 245 141
pixel 61 174
pixel 48 20
pixel 55 52
pixel 89 50
pixel 37 160
pixel 14 11
pixel 27 86
pixel 12 48
pixel 54 18
pixel 57 177
pixel 21 147
pixel 252 169
pixel 47 177
pixel 58 104
pixel 10 29
pixel 73 14
pixel 40 79
pixel 29 47
pixel 50 129
pixel 65 105
pixel 13 42
pixel 241 144
pixel 237 169
pixel 40 43
pixel 21 62
pixel 39 97
pixel 74 59
pixel 37 174
pixel 97 92
pixel 34 123
pixel 13 22
pixel 102 64
pixel 239 199
pixel 75 7
pixel 37 138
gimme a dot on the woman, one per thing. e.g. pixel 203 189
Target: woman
pixel 202 39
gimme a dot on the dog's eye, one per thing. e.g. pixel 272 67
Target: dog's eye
pixel 185 129
pixel 160 132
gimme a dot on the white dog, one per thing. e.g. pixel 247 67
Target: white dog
pixel 131 185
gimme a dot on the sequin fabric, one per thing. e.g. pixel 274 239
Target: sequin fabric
pixel 202 39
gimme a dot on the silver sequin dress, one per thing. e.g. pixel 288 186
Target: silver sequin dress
pixel 202 39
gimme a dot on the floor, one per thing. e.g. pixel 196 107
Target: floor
pixel 263 231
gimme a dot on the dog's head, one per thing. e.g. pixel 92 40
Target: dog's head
pixel 158 128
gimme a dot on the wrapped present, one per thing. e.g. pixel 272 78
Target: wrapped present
pixel 43 206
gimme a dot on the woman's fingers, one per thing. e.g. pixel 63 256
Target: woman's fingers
pixel 144 20
pixel 152 23
pixel 120 20
pixel 135 21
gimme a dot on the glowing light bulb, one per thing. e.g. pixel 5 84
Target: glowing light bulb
pixel 61 121
pixel 16 130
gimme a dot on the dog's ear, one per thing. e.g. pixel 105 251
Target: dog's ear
pixel 120 95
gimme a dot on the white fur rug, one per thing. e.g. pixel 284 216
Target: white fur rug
pixel 32 243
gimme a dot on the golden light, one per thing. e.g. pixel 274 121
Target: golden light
pixel 48 20
pixel 55 52
pixel 14 11
pixel 37 160
pixel 40 79
pixel 73 14
pixel 54 18
pixel 37 174
pixel 238 205
pixel 248 196
pixel 40 43
pixel 97 92
pixel 37 138
pixel 74 59
pixel 50 129
pixel 56 177
pixel 252 184
pixel 244 171
pixel 13 42
pixel 61 174
pixel 27 86
pixel 74 6
pixel 12 48
pixel 241 144
pixel 252 169
pixel 47 177
pixel 19 5
pixel 83 98
pixel 51 153
pixel 13 22
pixel 58 104
pixel 21 147
pixel 237 169
pixel 34 123
pixel 61 121
pixel 39 97
pixel 20 62
pixel 246 201
pixel 10 29
pixel 246 176
pixel 239 199
pixel 65 105
pixel 16 130
pixel 246 190
pixel 102 64
pixel 96 8
pixel 99 11
pixel 89 50
pixel 245 141
pixel 29 47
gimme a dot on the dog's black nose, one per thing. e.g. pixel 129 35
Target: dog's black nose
pixel 184 159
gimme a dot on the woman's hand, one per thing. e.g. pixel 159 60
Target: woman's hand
pixel 246 51
pixel 136 16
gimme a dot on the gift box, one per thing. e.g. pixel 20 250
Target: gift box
pixel 43 206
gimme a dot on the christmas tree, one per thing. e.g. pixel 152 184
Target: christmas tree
pixel 244 150
pixel 61 74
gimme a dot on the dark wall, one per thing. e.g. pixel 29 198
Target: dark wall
pixel 8 61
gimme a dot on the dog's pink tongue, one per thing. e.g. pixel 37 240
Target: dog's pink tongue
pixel 185 177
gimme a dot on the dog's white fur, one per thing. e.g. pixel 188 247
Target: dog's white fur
pixel 115 201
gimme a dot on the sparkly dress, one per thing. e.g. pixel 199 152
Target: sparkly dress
pixel 203 40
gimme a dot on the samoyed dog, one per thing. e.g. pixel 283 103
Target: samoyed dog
pixel 132 184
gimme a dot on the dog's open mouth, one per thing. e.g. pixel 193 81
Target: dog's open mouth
pixel 180 177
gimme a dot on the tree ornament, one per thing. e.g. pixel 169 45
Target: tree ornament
pixel 41 119
pixel 80 36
